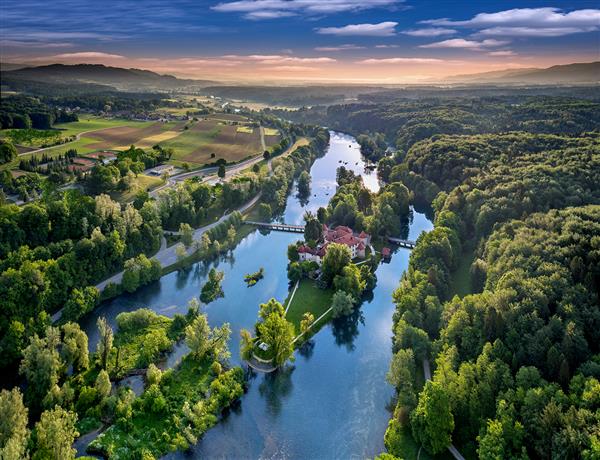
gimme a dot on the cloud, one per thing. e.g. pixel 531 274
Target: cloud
pixel 276 59
pixel 90 55
pixel 339 48
pixel 272 9
pixel 529 22
pixel 382 29
pixel 34 44
pixel 403 60
pixel 533 31
pixel 466 44
pixel 429 32
pixel 502 53
pixel 386 46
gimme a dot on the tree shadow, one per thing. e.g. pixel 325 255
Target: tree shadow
pixel 275 387
pixel 345 329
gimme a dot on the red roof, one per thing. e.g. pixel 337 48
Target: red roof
pixel 363 235
pixel 385 252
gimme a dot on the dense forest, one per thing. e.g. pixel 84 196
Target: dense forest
pixel 502 296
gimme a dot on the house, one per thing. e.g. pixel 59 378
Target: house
pixel 386 253
pixel 345 235
pixel 160 170
pixel 306 253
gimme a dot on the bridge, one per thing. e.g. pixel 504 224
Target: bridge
pixel 278 226
pixel 402 243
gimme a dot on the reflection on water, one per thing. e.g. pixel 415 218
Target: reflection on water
pixel 332 401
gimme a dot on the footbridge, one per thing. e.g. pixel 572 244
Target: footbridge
pixel 278 226
pixel 408 244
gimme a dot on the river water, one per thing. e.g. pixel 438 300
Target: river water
pixel 332 402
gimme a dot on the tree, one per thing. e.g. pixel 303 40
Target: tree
pixel 306 322
pixel 432 420
pixel 75 346
pixel 269 308
pixel 103 385
pixel 205 243
pixel 153 375
pixel 312 229
pixel 14 433
pixel 203 340
pixel 197 336
pixel 266 155
pixel 180 252
pixel 342 304
pixel 336 258
pixel 8 152
pixel 246 344
pixel 55 434
pixel 105 342
pixel 41 364
pixel 221 172
pixel 350 281
pixel 278 333
pixel 80 302
pixel 265 212
pixel 292 253
pixel 187 234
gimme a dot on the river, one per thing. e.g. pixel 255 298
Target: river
pixel 332 402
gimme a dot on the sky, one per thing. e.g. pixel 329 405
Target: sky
pixel 354 41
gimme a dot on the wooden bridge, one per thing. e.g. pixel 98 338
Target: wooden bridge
pixel 402 243
pixel 278 226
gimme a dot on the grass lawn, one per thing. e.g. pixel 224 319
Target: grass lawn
pixel 271 132
pixel 92 123
pixel 308 298
pixel 142 182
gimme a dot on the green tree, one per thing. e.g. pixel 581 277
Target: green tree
pixel 14 433
pixel 336 258
pixel 41 364
pixel 278 333
pixel 342 304
pixel 306 322
pixel 105 341
pixel 80 302
pixel 8 152
pixel 153 375
pixel 103 385
pixel 350 281
pixel 221 171
pixel 432 420
pixel 187 234
pixel 75 346
pixel 55 434
pixel 265 212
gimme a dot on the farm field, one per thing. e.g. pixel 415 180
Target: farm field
pixel 209 139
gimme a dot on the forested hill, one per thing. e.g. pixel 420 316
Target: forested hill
pixel 502 296
pixel 98 74
pixel 586 72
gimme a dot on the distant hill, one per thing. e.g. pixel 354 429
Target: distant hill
pixel 588 72
pixel 117 77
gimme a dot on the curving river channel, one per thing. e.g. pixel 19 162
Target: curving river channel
pixel 332 402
